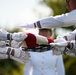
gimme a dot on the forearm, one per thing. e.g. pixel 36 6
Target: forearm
pixel 3 56
pixel 51 22
pixel 16 53
pixel 67 48
pixel 33 40
pixel 70 36
pixel 71 48
pixel 22 36
pixel 63 20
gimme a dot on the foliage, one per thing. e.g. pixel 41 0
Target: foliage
pixel 58 6
pixel 70 65
pixel 8 66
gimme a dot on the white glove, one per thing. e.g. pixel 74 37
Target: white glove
pixel 20 54
pixel 59 39
pixel 26 26
pixel 5 43
pixel 71 48
pixel 70 53
pixel 3 35
pixel 17 53
pixel 19 36
pixel 3 56
pixel 58 48
pixel 16 44
pixel 59 45
pixel 2 44
pixel 13 43
pixel 72 45
pixel 4 50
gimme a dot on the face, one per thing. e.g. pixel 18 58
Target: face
pixel 45 33
pixel 71 4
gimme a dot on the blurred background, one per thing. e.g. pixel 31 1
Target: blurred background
pixel 20 12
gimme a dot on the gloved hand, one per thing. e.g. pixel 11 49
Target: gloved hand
pixel 27 26
pixel 59 45
pixel 22 55
pixel 13 43
pixel 71 48
pixel 16 44
pixel 19 36
pixel 58 48
pixel 70 52
pixel 15 52
pixel 59 39
pixel 3 56
pixel 72 45
pixel 4 43
pixel 3 35
pixel 5 50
